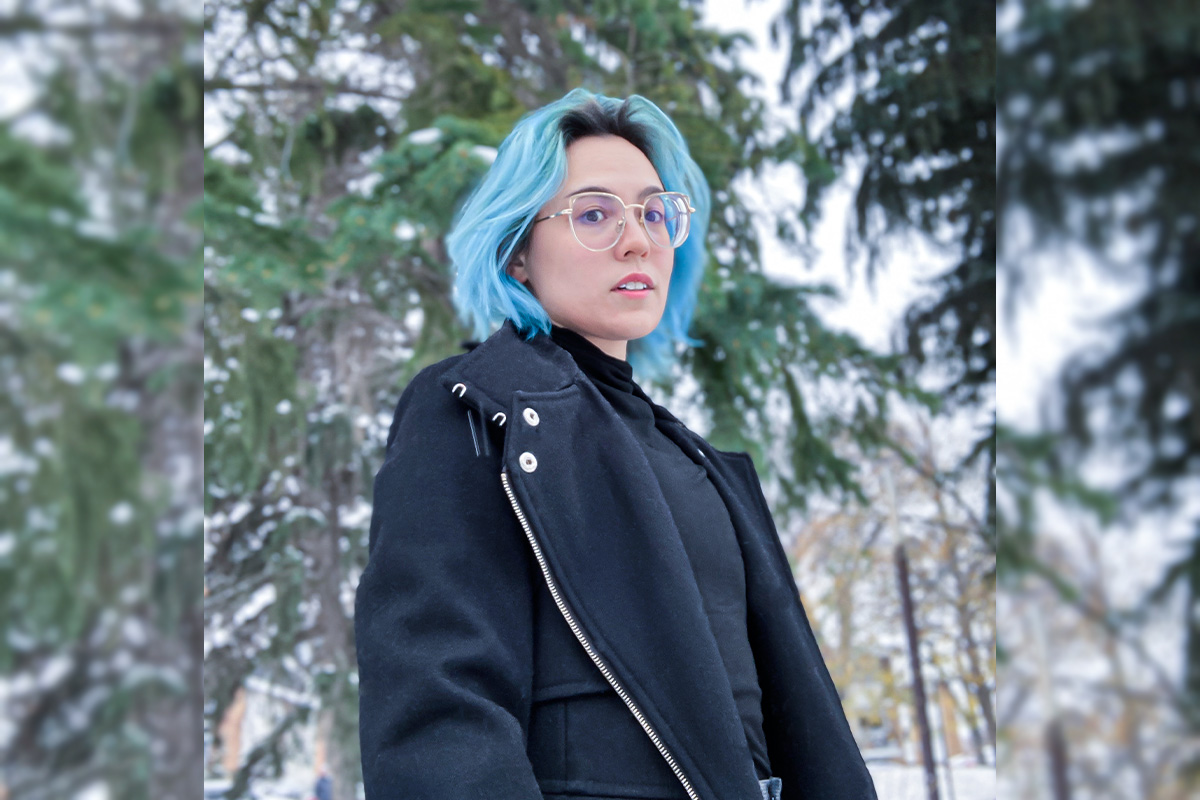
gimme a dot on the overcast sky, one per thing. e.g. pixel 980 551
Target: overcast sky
pixel 872 312
pixel 1052 318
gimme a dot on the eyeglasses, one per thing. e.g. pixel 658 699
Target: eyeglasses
pixel 598 218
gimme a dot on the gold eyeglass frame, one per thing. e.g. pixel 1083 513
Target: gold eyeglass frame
pixel 624 218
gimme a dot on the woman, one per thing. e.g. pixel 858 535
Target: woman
pixel 569 593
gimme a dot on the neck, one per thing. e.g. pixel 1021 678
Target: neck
pixel 613 347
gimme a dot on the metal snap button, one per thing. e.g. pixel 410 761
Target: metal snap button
pixel 531 417
pixel 528 462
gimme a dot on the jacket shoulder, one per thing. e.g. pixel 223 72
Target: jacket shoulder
pixel 426 397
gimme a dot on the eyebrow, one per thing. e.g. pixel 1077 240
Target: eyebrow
pixel 649 190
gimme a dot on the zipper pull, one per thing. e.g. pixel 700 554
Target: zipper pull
pixel 471 425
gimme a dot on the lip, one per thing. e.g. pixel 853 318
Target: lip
pixel 640 277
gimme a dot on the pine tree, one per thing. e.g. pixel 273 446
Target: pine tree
pixel 100 365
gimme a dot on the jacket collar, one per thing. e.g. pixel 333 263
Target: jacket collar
pixel 508 362
pixel 487 377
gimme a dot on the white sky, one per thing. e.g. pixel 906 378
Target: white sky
pixel 872 313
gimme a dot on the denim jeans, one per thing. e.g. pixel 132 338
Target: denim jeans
pixel 770 788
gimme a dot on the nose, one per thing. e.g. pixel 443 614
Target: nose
pixel 634 239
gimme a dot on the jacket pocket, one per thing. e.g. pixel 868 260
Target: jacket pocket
pixel 586 745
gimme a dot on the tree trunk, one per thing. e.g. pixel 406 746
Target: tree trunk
pixel 337 716
pixel 1056 751
pixel 920 702
pixel 978 684
pixel 1192 621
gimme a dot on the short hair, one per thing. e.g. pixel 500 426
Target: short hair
pixel 530 167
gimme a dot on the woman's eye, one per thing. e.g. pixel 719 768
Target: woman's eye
pixel 592 215
pixel 654 217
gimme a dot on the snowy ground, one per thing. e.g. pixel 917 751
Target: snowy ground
pixel 898 782
pixel 892 782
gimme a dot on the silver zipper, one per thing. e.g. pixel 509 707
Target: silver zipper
pixel 591 651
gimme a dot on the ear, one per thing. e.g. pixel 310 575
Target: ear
pixel 516 268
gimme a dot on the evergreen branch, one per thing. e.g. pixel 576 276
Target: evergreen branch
pixel 309 85
pixel 162 26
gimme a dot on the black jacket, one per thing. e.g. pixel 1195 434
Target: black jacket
pixel 528 624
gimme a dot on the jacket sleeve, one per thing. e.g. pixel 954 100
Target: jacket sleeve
pixel 444 617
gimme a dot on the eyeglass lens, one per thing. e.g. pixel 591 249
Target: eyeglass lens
pixel 596 219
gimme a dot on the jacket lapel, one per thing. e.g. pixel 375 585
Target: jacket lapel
pixel 809 742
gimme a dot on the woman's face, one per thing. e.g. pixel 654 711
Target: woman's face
pixel 578 287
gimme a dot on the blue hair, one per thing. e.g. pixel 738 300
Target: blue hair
pixel 530 167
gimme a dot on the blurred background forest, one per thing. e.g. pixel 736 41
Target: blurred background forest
pixel 265 325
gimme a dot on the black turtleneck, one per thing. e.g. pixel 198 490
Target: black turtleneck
pixel 704 525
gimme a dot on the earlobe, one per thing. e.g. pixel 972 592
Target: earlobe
pixel 516 269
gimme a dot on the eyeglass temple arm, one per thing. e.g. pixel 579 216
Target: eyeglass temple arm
pixel 557 214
